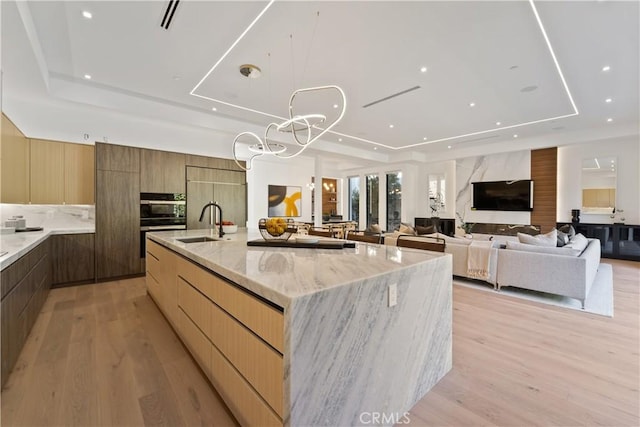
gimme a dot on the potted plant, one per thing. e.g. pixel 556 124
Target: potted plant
pixel 465 226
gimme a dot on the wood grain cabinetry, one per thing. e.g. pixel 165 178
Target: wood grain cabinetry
pixel 227 187
pixel 47 172
pixel 72 258
pixel 213 163
pixel 79 174
pixel 25 286
pixel 117 211
pixel 236 337
pixel 14 157
pixel 162 280
pixel 162 172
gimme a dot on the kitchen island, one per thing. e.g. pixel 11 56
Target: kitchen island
pixel 297 336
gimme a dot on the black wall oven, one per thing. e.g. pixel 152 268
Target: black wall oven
pixel 161 212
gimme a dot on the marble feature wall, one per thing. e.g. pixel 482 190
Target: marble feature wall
pixel 350 354
pixel 52 217
pixel 495 167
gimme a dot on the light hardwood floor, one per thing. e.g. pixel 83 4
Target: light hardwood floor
pixel 104 355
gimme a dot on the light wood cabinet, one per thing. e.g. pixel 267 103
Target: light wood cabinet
pixel 14 158
pixel 236 337
pixel 79 174
pixel 47 172
pixel 162 172
pixel 160 265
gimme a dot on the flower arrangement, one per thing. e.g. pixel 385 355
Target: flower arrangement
pixel 465 226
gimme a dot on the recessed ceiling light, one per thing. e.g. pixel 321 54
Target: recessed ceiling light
pixel 498 123
pixel 335 105
pixel 375 148
pixel 472 104
pixel 391 126
pixel 423 69
pixel 613 161
pixel 339 139
pixel 515 135
pixel 608 100
pixel 214 109
pixel 609 120
pixel 424 139
pixel 448 146
pixel 87 14
pixel 606 68
pixel 87 76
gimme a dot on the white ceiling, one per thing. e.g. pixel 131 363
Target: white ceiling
pixel 494 54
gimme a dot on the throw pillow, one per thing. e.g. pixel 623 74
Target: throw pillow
pixel 425 230
pixel 549 239
pixel 563 239
pixel 407 229
pixel 375 228
pixel 542 249
pixel 578 242
pixel 568 229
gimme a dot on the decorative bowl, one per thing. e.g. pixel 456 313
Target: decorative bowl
pixel 230 229
pixel 276 228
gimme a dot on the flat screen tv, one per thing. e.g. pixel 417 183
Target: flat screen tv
pixel 503 195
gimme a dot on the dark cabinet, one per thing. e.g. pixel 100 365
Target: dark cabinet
pixel 619 241
pixel 117 238
pixel 72 258
pixel 227 187
pixel 443 225
pixel 25 286
pixel 162 172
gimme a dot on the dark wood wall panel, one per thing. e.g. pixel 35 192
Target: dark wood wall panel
pixel 544 173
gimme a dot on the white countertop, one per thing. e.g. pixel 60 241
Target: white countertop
pixel 18 244
pixel 281 275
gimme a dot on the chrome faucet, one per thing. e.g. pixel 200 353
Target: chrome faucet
pixel 213 221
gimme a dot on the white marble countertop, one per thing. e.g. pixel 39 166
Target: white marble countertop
pixel 18 244
pixel 281 275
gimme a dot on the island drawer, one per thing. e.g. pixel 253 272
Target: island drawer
pixel 262 318
pixel 242 399
pixel 196 341
pixel 257 362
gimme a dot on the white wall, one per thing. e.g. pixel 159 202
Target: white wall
pixel 269 170
pixel 627 150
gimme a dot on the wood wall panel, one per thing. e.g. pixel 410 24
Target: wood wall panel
pixel 544 173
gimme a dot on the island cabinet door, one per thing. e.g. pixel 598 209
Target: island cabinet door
pixel 245 359
pixel 161 279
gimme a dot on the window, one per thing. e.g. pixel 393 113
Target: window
pixel 394 200
pixel 354 198
pixel 372 199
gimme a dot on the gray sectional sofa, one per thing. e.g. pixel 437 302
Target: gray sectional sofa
pixel 560 271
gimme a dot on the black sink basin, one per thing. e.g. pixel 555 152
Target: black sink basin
pixel 200 239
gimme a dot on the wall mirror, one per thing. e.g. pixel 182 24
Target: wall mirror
pixel 599 175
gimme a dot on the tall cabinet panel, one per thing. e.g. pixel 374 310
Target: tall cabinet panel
pixel 14 155
pixel 47 172
pixel 117 211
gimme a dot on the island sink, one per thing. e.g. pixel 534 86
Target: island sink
pixel 199 239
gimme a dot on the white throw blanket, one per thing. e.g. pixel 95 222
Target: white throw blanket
pixel 478 256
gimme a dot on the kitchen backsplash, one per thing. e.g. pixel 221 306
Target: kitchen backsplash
pixel 51 216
